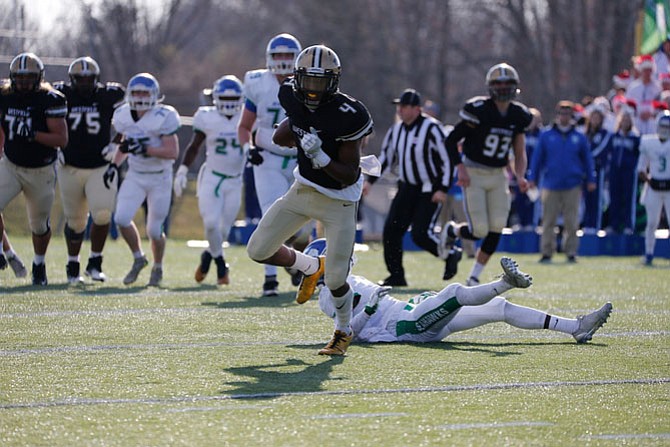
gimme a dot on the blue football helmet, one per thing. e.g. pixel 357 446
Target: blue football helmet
pixel 318 248
pixel 143 82
pixel 282 44
pixel 663 125
pixel 227 95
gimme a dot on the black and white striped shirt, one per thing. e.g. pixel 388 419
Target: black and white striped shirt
pixel 419 151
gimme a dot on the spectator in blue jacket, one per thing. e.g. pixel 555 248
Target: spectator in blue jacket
pixel 563 159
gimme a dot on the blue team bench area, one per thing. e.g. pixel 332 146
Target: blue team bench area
pixel 528 242
pixel 589 244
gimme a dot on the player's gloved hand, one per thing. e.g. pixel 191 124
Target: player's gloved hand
pixel 311 146
pixel 132 146
pixel 180 180
pixel 25 131
pixel 108 152
pixel 111 176
pixel 253 154
pixel 373 302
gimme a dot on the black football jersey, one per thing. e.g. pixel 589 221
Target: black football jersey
pixel 487 135
pixel 31 110
pixel 343 118
pixel 89 119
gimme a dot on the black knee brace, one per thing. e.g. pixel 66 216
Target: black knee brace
pixel 490 243
pixel 72 235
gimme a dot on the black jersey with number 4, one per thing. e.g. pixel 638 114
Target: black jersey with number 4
pixel 29 111
pixel 89 119
pixel 487 134
pixel 343 118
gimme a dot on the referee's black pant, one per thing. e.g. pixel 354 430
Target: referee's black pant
pixel 412 207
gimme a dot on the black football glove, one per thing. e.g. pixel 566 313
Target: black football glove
pixel 254 156
pixel 110 176
pixel 132 146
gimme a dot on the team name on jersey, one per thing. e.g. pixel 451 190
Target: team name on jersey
pixel 18 112
pixel 299 131
pixel 501 131
pixel 84 109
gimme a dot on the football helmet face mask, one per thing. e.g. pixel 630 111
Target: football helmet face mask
pixel 143 92
pixel 317 75
pixel 26 73
pixel 281 53
pixel 503 82
pixel 84 73
pixel 227 95
pixel 663 125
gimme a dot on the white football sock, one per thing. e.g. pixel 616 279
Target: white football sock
pixel 343 310
pixel 477 295
pixel 477 269
pixel 305 263
pixel 527 318
pixel 215 240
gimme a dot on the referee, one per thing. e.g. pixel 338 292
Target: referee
pixel 416 145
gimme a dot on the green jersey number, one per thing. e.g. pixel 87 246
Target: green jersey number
pixel 225 144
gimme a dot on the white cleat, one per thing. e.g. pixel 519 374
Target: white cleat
pixel 20 270
pixel 589 324
pixel 513 276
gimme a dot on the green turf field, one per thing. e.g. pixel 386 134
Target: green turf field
pixel 196 365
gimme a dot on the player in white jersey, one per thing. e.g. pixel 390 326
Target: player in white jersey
pixel 432 316
pixel 151 145
pixel 273 165
pixel 653 168
pixel 220 177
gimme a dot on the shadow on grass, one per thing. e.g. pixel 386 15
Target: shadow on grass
pixel 281 300
pixel 273 380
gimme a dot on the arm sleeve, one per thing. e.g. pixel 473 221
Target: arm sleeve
pixel 451 142
pixel 359 321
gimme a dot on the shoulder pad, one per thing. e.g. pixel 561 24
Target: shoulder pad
pixel 113 86
pixel 253 75
pixel 475 101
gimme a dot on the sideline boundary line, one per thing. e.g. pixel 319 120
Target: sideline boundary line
pixel 77 401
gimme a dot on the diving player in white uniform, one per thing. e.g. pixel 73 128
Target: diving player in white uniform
pixel 273 165
pixel 432 316
pixel 151 145
pixel 653 168
pixel 220 177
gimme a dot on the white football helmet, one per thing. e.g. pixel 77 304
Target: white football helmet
pixel 317 75
pixel 503 82
pixel 31 70
pixel 663 125
pixel 136 92
pixel 227 95
pixel 282 44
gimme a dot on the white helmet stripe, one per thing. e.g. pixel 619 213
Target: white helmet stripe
pixel 317 57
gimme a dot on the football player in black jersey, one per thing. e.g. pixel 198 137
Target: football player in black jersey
pixel 91 105
pixel 34 127
pixel 328 127
pixel 490 128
